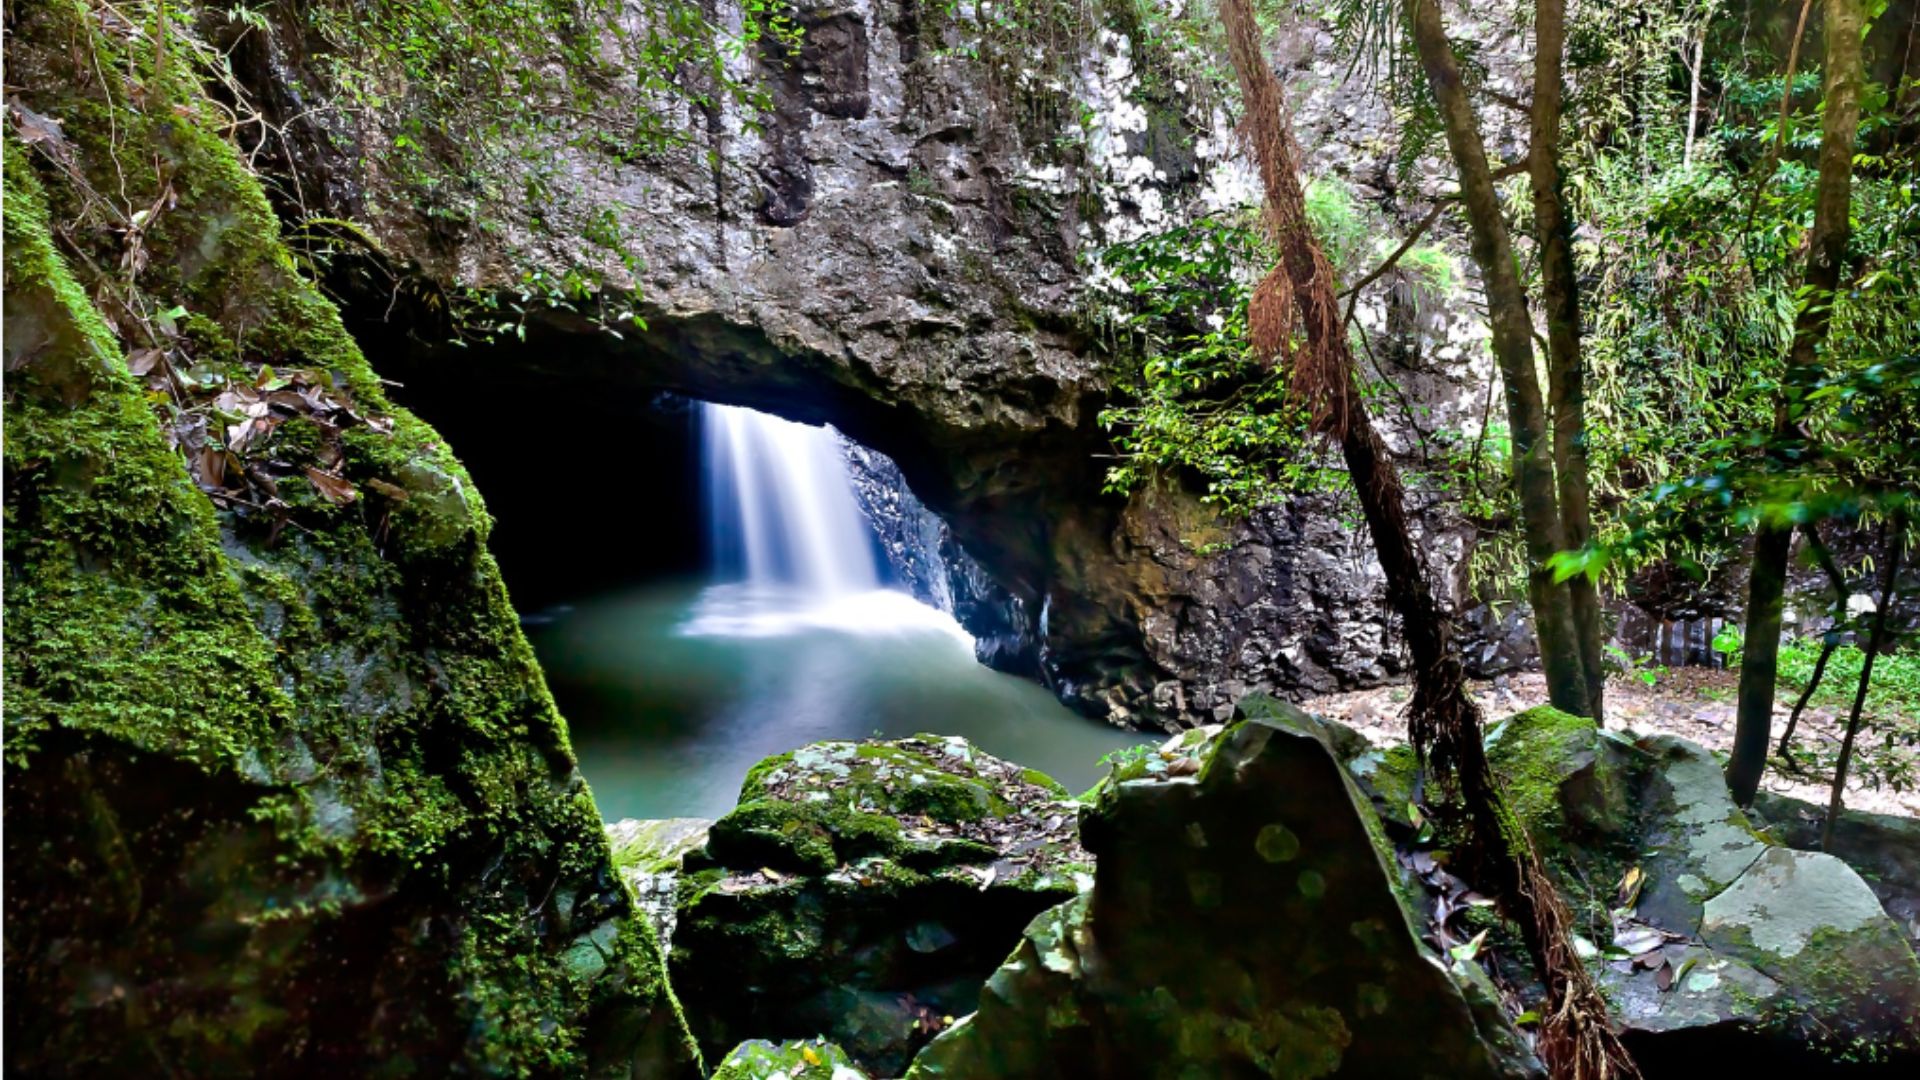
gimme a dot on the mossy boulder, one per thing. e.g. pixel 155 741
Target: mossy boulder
pixel 796 1059
pixel 285 792
pixel 647 855
pixel 1884 848
pixel 864 891
pixel 1708 937
pixel 1242 922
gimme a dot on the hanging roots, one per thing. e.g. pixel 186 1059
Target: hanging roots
pixel 1298 297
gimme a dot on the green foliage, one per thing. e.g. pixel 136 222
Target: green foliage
pixel 1338 223
pixel 1192 396
pixel 1889 741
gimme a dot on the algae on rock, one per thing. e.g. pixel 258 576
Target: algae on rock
pixel 1242 922
pixel 285 789
pixel 863 891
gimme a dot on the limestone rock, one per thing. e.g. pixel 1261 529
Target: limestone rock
pixel 648 855
pixel 863 891
pixel 1242 923
pixel 1726 939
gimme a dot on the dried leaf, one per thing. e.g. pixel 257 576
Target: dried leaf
pixel 1664 977
pixel 142 361
pixel 391 491
pixel 1635 940
pixel 213 467
pixel 1629 888
pixel 334 489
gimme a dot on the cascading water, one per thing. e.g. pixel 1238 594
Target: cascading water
pixel 674 691
pixel 792 550
pixel 780 505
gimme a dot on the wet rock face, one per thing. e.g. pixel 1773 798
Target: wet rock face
pixel 863 891
pixel 1166 970
pixel 922 554
pixel 900 248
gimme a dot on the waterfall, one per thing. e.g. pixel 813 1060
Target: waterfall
pixel 793 551
pixel 780 505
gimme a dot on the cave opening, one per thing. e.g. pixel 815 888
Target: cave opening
pixel 677 666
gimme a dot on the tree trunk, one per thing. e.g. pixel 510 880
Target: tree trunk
pixel 1827 256
pixel 1841 594
pixel 1576 1040
pixel 1533 472
pixel 1560 296
pixel 1875 642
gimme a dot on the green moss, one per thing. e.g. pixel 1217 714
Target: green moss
pixel 808 1059
pixel 352 679
pixel 122 616
pixel 1531 753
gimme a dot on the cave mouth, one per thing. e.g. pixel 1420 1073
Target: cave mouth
pixel 706 585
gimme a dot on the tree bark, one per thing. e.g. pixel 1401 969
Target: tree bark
pixel 1560 297
pixel 1826 258
pixel 1841 594
pixel 1576 1040
pixel 1875 642
pixel 1533 472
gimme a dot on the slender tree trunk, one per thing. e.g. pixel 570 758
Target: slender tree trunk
pixel 1827 256
pixel 1560 296
pixel 1875 642
pixel 1695 65
pixel 1832 638
pixel 1576 1040
pixel 1533 473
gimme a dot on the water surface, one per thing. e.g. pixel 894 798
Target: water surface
pixel 674 691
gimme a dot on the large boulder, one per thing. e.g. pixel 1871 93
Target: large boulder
pixel 864 891
pixel 285 792
pixel 1885 849
pixel 1707 936
pixel 1243 922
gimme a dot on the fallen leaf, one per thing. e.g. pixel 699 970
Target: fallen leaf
pixel 1629 889
pixel 142 361
pixel 333 488
pixel 1636 940
pixel 1664 977
pixel 42 131
pixel 1469 949
pixel 391 491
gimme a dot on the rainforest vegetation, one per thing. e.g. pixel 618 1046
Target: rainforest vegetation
pixel 1479 442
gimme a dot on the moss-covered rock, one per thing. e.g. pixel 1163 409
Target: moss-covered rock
pixel 797 1059
pixel 1242 923
pixel 864 891
pixel 1884 848
pixel 1709 938
pixel 285 791
pixel 648 855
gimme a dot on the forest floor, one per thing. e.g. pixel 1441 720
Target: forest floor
pixel 1696 704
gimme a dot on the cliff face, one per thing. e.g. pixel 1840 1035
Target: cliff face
pixel 285 791
pixel 900 240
